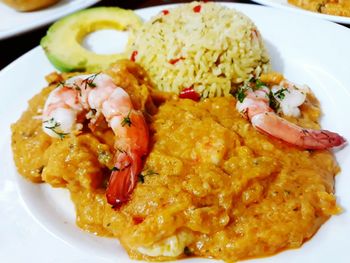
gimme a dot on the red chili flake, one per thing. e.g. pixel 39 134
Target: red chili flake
pixel 138 220
pixel 189 93
pixel 175 60
pixel 165 12
pixel 133 56
pixel 197 8
pixel 254 34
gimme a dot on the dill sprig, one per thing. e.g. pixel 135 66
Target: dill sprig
pixel 127 120
pixel 89 82
pixel 143 174
pixel 273 103
pixel 53 126
pixel 280 93
pixel 240 94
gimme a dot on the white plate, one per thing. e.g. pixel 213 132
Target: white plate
pixel 285 5
pixel 13 22
pixel 38 222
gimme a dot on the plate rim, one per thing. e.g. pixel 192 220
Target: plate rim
pixel 292 8
pixel 8 33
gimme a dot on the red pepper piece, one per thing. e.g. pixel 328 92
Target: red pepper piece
pixel 197 8
pixel 165 12
pixel 137 220
pixel 174 61
pixel 133 56
pixel 190 93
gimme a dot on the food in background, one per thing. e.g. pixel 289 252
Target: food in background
pixel 29 5
pixel 328 7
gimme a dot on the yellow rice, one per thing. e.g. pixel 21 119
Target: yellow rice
pixel 212 50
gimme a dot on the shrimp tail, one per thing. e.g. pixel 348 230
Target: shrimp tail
pixel 277 127
pixel 123 179
pixel 325 139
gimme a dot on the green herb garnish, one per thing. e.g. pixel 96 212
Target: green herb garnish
pixel 121 150
pixel 280 93
pixel 127 120
pixel 53 126
pixel 259 84
pixel 252 80
pixel 240 95
pixel 273 103
pixel 76 87
pixel 256 83
pixel 143 174
pixel 90 81
pixel 150 172
pixel 187 251
pixel 60 83
pixel 141 178
pixel 320 7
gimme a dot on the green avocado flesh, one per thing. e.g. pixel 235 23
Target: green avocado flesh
pixel 62 43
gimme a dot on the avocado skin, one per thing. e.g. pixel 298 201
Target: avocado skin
pixel 62 41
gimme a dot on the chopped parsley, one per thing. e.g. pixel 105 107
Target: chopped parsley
pixel 121 150
pixel 273 103
pixel 60 83
pixel 127 120
pixel 251 80
pixel 120 169
pixel 92 114
pixel 280 93
pixel 259 84
pixel 158 20
pixel 256 84
pixel 253 84
pixel 320 7
pixel 40 169
pixel 76 87
pixel 90 81
pixel 240 95
pixel 149 172
pixel 143 174
pixel 141 178
pixel 54 126
pixel 187 251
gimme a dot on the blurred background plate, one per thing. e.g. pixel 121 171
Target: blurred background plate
pixel 13 22
pixel 285 5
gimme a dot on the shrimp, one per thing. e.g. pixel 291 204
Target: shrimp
pixel 89 97
pixel 256 107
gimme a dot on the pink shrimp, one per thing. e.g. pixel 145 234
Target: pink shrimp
pixel 89 96
pixel 256 107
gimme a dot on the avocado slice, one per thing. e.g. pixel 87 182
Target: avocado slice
pixel 62 43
